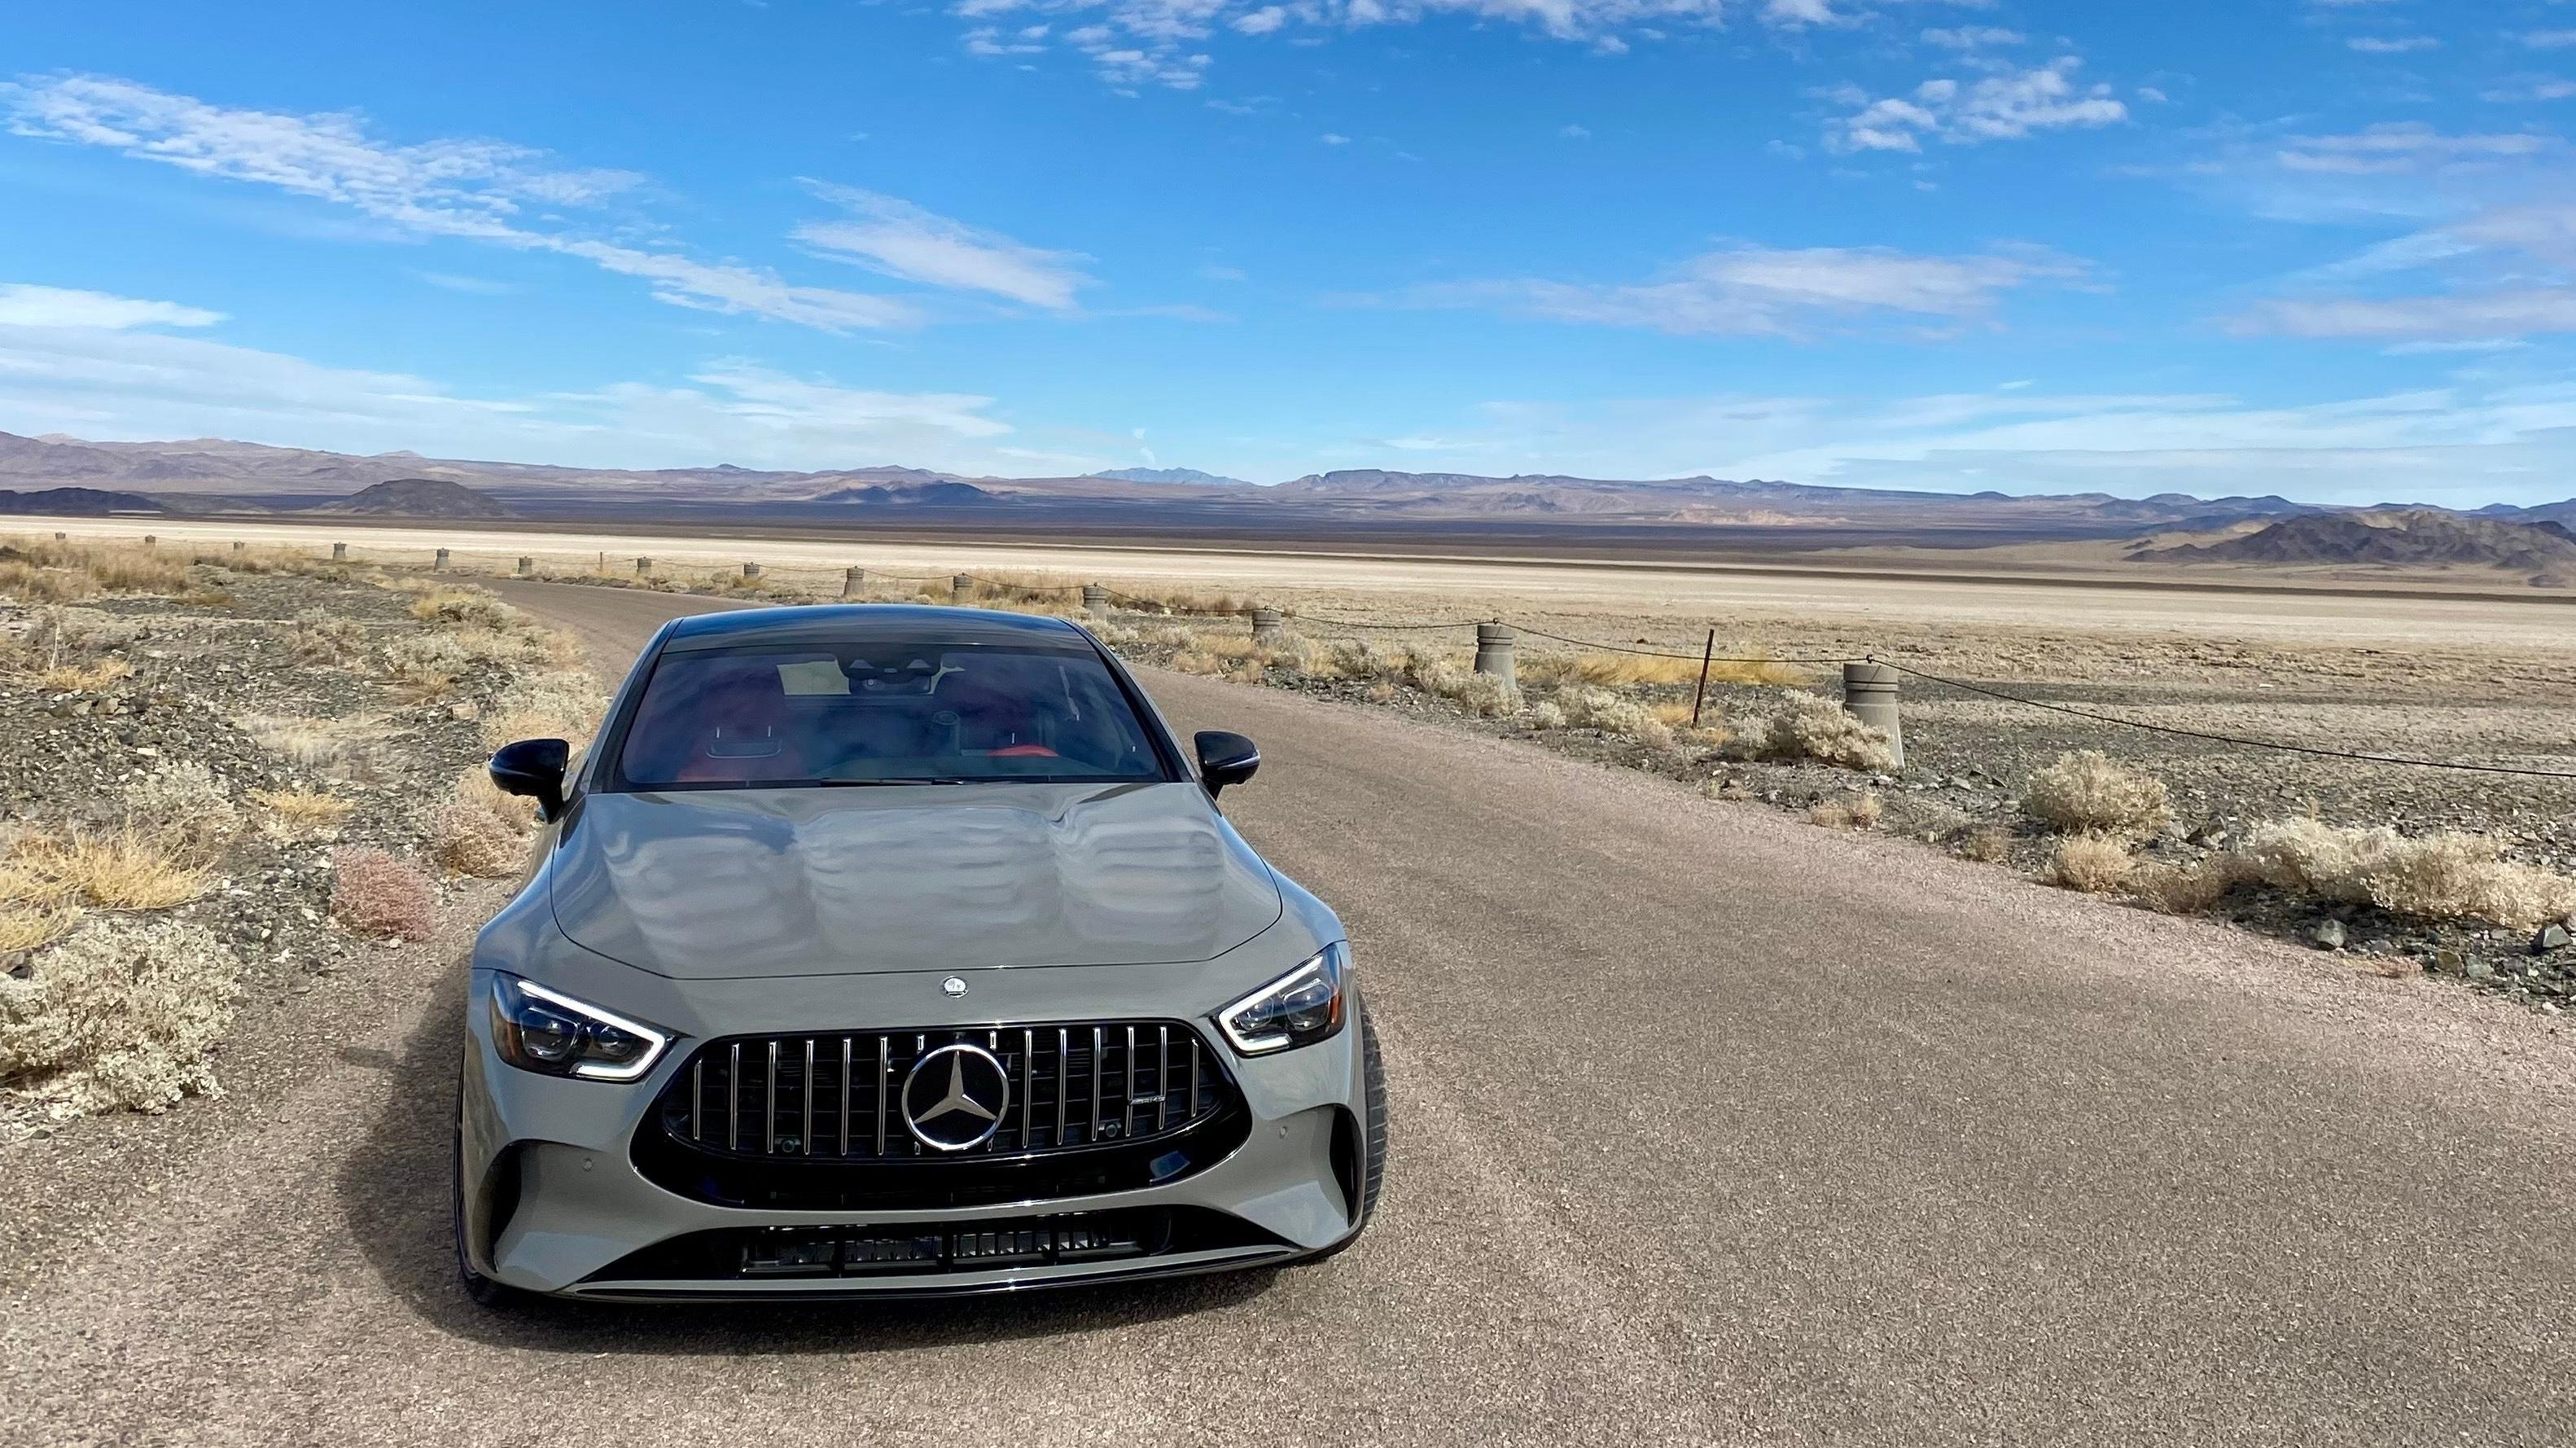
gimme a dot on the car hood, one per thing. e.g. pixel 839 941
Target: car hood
pixel 715 884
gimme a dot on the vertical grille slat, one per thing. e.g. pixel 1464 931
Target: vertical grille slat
pixel 1095 1084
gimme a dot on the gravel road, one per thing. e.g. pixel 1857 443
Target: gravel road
pixel 1710 1127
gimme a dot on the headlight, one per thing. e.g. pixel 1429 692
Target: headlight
pixel 536 1029
pixel 1298 1009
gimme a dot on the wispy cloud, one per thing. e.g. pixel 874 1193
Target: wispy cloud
pixel 25 305
pixel 2549 39
pixel 472 190
pixel 1762 292
pixel 2006 106
pixel 2391 44
pixel 2409 147
pixel 898 239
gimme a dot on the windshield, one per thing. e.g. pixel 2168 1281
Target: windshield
pixel 883 713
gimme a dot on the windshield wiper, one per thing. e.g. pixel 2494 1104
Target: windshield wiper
pixel 881 783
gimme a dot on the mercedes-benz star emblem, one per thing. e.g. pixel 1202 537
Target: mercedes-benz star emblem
pixel 955 1097
pixel 955 985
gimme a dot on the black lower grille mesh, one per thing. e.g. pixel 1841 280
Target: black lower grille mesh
pixel 839 1097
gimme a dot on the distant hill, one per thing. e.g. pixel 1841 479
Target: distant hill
pixel 1170 475
pixel 77 502
pixel 938 494
pixel 2403 537
pixel 417 498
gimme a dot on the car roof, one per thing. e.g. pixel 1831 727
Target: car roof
pixel 831 623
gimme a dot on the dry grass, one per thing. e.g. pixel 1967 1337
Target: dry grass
pixel 300 814
pixel 375 894
pixel 562 704
pixel 318 638
pixel 2083 791
pixel 1986 844
pixel 1584 707
pixel 43 571
pixel 2094 864
pixel 1614 670
pixel 1862 811
pixel 122 869
pixel 122 1015
pixel 1809 726
pixel 472 840
pixel 2182 889
pixel 87 678
pixel 2445 876
pixel 335 747
pixel 25 927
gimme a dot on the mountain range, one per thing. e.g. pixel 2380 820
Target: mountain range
pixel 213 475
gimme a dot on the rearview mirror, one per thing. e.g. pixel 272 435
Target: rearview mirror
pixel 533 768
pixel 1225 759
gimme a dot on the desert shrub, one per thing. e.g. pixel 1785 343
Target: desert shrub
pixel 321 745
pixel 318 638
pixel 1197 661
pixel 30 582
pixel 119 1015
pixel 2092 863
pixel 1862 811
pixel 2182 889
pixel 1986 844
pixel 2444 876
pixel 470 839
pixel 299 814
pixel 122 869
pixel 1484 695
pixel 466 606
pixel 1808 726
pixel 185 803
pixel 375 894
pixel 1611 669
pixel 89 678
pixel 1547 714
pixel 557 704
pixel 2083 791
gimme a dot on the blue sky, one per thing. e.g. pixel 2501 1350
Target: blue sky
pixel 2317 247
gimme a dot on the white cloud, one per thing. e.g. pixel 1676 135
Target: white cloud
pixel 2518 313
pixel 1972 37
pixel 2408 147
pixel 1574 133
pixel 2549 39
pixel 899 239
pixel 1334 138
pixel 1134 43
pixel 474 190
pixel 2393 45
pixel 25 305
pixel 104 382
pixel 2005 106
pixel 1757 291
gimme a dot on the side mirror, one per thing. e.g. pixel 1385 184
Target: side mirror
pixel 1225 759
pixel 534 768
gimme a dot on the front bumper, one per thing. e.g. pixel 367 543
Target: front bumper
pixel 553 1201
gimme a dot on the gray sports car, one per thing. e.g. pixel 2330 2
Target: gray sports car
pixel 896 950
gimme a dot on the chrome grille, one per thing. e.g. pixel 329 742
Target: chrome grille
pixel 839 1097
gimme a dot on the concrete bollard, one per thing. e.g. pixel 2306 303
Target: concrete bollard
pixel 527 566
pixel 1269 626
pixel 643 566
pixel 151 542
pixel 339 552
pixel 750 570
pixel 439 564
pixel 1494 651
pixel 239 545
pixel 1869 695
pixel 62 537
pixel 853 582
pixel 961 589
pixel 1095 600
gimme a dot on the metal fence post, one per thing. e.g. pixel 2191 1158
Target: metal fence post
pixel 439 564
pixel 527 566
pixel 852 581
pixel 1494 651
pixel 961 589
pixel 1869 695
pixel 1269 626
pixel 1095 600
